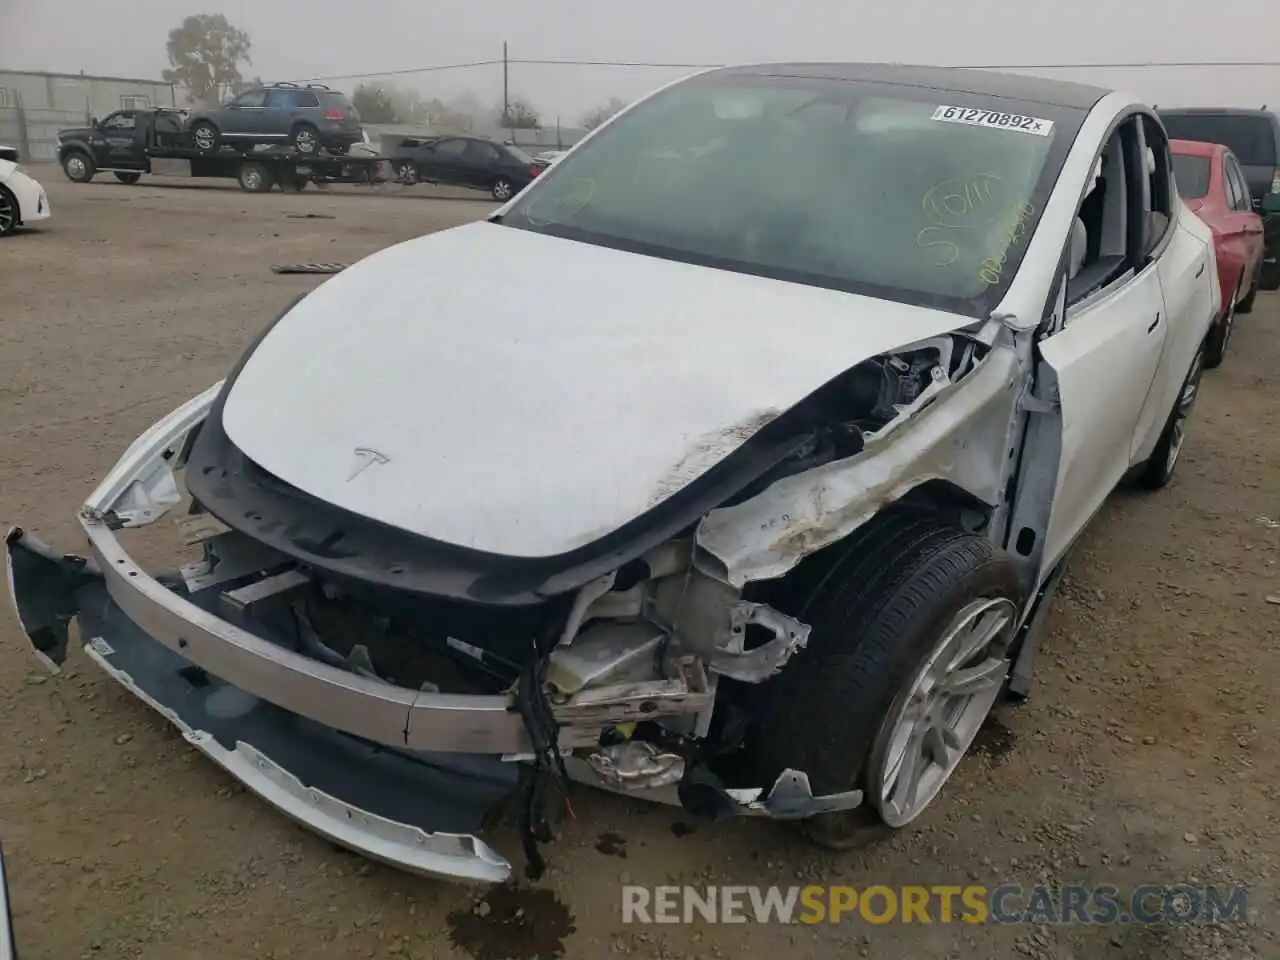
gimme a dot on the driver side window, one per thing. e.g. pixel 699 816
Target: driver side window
pixel 1097 257
pixel 119 121
pixel 254 98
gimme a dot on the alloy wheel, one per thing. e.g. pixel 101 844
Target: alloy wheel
pixel 933 722
pixel 75 167
pixel 1186 401
pixel 8 215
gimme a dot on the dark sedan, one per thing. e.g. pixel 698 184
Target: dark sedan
pixel 500 169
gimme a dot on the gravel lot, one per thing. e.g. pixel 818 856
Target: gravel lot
pixel 1147 754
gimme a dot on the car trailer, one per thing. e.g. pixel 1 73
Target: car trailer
pixel 258 171
pixel 159 144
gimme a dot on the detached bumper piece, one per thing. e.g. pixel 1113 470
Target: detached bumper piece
pixel 416 811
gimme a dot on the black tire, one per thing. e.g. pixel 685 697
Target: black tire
pixel 305 139
pixel 206 137
pixel 126 177
pixel 502 189
pixel 1158 469
pixel 78 166
pixel 1215 346
pixel 10 215
pixel 255 177
pixel 1246 305
pixel 875 619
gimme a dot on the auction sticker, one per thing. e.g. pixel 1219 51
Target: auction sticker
pixel 994 119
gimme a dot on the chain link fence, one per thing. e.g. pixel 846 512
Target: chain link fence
pixel 35 131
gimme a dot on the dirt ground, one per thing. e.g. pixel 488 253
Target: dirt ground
pixel 1147 754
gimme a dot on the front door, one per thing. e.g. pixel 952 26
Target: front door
pixel 245 117
pixel 120 149
pixel 1107 354
pixel 443 164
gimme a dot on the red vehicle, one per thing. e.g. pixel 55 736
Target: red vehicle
pixel 1211 182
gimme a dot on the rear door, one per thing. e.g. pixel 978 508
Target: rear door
pixel 1246 225
pixel 280 109
pixel 480 163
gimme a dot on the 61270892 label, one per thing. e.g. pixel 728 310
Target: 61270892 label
pixel 994 119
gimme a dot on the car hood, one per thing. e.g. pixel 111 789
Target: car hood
pixel 75 133
pixel 525 395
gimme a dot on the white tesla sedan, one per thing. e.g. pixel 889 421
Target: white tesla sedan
pixel 744 485
pixel 22 199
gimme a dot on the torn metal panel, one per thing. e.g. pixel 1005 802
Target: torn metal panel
pixel 637 765
pixel 959 437
pixel 141 488
pixel 606 654
pixel 766 660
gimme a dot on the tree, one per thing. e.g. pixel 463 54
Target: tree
pixel 374 104
pixel 598 115
pixel 205 54
pixel 520 115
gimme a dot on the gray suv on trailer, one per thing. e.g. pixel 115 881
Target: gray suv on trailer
pixel 307 118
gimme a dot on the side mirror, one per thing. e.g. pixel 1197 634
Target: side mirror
pixel 97 124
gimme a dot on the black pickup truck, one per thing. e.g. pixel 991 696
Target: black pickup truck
pixel 129 143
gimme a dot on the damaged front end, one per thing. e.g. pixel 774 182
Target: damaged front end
pixel 398 713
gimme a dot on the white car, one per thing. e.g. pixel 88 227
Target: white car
pixel 744 485
pixel 22 199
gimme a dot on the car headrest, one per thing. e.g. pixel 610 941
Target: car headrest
pixel 1078 248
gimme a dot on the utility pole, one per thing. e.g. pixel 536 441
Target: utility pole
pixel 506 87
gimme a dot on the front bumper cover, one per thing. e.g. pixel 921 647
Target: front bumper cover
pixel 403 776
pixel 419 811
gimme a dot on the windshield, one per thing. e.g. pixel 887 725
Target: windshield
pixel 1191 174
pixel 905 193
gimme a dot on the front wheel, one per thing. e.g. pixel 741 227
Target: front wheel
pixel 407 173
pixel 909 652
pixel 9 213
pixel 129 178
pixel 503 189
pixel 78 167
pixel 1158 470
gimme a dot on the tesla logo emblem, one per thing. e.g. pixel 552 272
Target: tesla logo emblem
pixel 366 458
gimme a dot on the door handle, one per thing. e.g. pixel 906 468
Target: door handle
pixel 1154 323
pixel 1199 273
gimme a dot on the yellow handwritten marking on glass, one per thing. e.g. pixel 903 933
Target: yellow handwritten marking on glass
pixel 958 203
pixel 963 201
pixel 577 196
pixel 1013 229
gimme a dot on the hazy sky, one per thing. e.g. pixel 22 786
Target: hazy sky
pixel 301 39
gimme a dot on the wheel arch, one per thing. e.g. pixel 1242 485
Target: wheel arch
pixel 794 590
